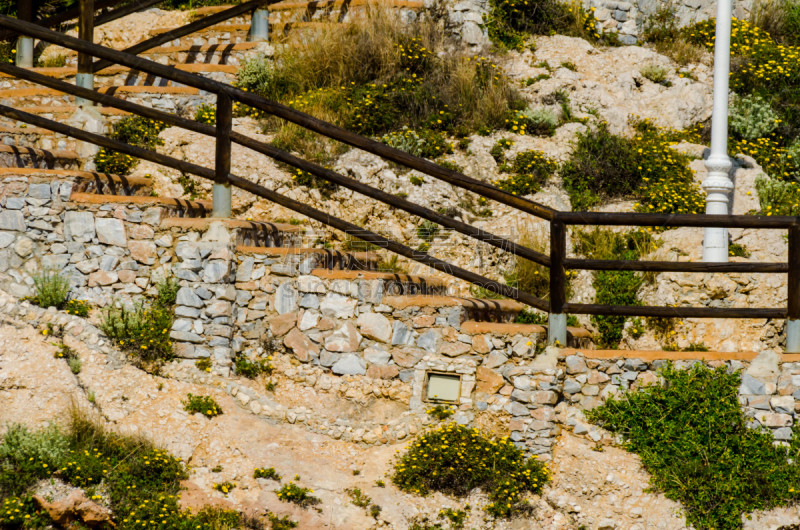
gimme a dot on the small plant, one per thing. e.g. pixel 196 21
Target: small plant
pixel 457 518
pixel 427 230
pixel 637 328
pixel 224 487
pixel 133 130
pixel 91 398
pixel 752 117
pixel 75 365
pixel 205 405
pixel 203 364
pixel 79 308
pixel 533 80
pixel 280 523
pixel 167 289
pixel 141 330
pixel 374 511
pixel 216 469
pixel 498 149
pixel 406 140
pixel 356 472
pixel 531 170
pixel 268 473
pixel 298 495
pixel 441 412
pixel 541 122
pixel 50 289
pixel 778 197
pixel 696 346
pixel 454 459
pixel 206 113
pixel 358 498
pixel 569 65
pixel 655 73
pixel 380 483
pixel 416 181
pixel 53 61
pixel 252 369
pixel 738 250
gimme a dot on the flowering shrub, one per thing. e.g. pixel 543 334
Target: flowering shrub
pixel 778 197
pixel 252 369
pixel 693 439
pixel 752 117
pixel 141 330
pixel 21 512
pixel 50 289
pixel 298 495
pixel 224 487
pixel 441 412
pixel 203 364
pixel 531 169
pixel 268 473
pixel 454 459
pixel 206 113
pixel 405 140
pixel 133 130
pixel 78 308
pixel 541 122
pixel 511 22
pixel 205 405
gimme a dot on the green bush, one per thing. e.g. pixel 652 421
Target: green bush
pixel 752 117
pixel 206 113
pixel 204 364
pixel 692 438
pixel 298 495
pixel 27 456
pixel 50 289
pixel 406 140
pixel 427 230
pixel 252 369
pixel 78 308
pixel 454 460
pixel 205 405
pixel 531 170
pixel 441 412
pixel 224 487
pixel 778 197
pixel 511 22
pixel 268 473
pixel 737 250
pixel 499 148
pixel 141 330
pixel 259 76
pixel 132 130
pixel 655 73
pixel 540 122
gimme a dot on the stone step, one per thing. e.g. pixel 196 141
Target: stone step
pixel 168 98
pixel 393 284
pixel 322 258
pixel 226 33
pixel 224 54
pixel 649 356
pixel 337 10
pixel 475 309
pixel 81 181
pixel 174 208
pixel 62 113
pixel 576 337
pixel 241 233
pixel 120 75
pixel 28 157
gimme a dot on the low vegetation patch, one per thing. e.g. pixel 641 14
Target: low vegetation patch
pixel 298 495
pixel 50 289
pixel 132 130
pixel 511 22
pixel 268 473
pixel 692 438
pixel 252 368
pixel 205 405
pixel 530 170
pixel 454 460
pixel 778 197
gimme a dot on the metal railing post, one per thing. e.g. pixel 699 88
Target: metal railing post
pixel 557 320
pixel 259 25
pixel 222 163
pixel 793 292
pixel 85 76
pixel 25 44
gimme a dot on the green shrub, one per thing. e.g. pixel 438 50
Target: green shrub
pixel 540 122
pixel 205 405
pixel 50 289
pixel 737 250
pixel 499 148
pixel 455 460
pixel 167 289
pixel 268 473
pixel 78 308
pixel 531 170
pixel 416 181
pixel 441 412
pixel 141 330
pixel 427 230
pixel 252 369
pixel 511 22
pixel 358 498
pixel 75 365
pixel 298 495
pixel 204 364
pixel 655 73
pixel 778 197
pixel 752 117
pixel 280 523
pixel 692 438
pixel 132 130
pixel 406 140
pixel 27 456
pixel 259 76
pixel 20 512
pixel 206 113
pixel 224 487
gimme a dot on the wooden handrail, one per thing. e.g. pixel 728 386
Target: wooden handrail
pixel 69 14
pixel 321 4
pixel 260 191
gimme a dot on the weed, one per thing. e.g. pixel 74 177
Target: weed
pixel 510 22
pixel 692 438
pixel 205 405
pixel 380 483
pixel 374 511
pixel 167 289
pixel 356 472
pixel 569 65
pixel 298 495
pixel 203 364
pixel 252 369
pixel 531 169
pixel 358 498
pixel 132 130
pixel 655 73
pixel 216 469
pixel 778 197
pixel 27 456
pixel 737 250
pixel 751 117
pixel 75 365
pixel 141 330
pixel 427 230
pixel 268 473
pixel 499 148
pixel 540 122
pixel 281 523
pixel 206 113
pixel 441 412
pixel 416 181
pixel 457 518
pixel 637 328
pixel 50 289
pixel 224 487
pixel 391 264
pixel 79 308
pixel 52 61
pixel 91 398
pixel 533 80
pixel 455 460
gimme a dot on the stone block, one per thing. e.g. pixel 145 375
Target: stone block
pixel 102 278
pixel 350 365
pixel 143 251
pixel 343 340
pixel 430 341
pixel 406 357
pixel 375 326
pixel 495 359
pixel 382 372
pixel 401 335
pixel 575 364
pixel 301 346
pixel 310 284
pixel 489 381
pixel 111 232
pixel 187 297
pixel 285 299
pixel 335 305
pixel 376 356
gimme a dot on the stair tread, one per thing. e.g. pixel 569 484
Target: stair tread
pixel 57 109
pixel 61 173
pixel 217 28
pixel 41 91
pixel 205 222
pixel 288 6
pixel 404 301
pixel 669 355
pixel 377 275
pixel 510 328
pixel 365 256
pixel 93 198
pixel 67 71
pixel 206 47
pixel 57 153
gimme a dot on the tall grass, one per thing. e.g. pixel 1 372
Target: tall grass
pixel 779 18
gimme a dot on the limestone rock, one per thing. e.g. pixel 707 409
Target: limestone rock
pixel 375 326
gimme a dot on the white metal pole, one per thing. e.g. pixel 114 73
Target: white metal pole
pixel 718 185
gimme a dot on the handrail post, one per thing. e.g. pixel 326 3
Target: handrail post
pixel 793 292
pixel 557 320
pixel 259 24
pixel 222 162
pixel 85 76
pixel 25 44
